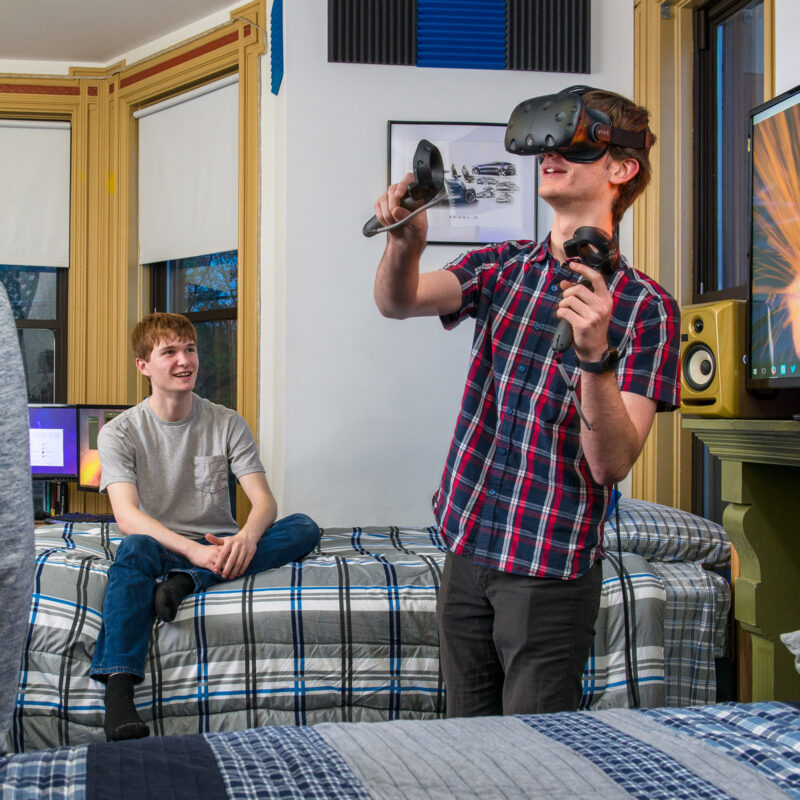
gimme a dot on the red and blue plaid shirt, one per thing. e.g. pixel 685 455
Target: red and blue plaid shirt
pixel 517 494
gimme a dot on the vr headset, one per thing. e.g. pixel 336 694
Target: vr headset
pixel 563 123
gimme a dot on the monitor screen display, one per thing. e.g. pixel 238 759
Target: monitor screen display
pixel 774 357
pixel 90 421
pixel 53 434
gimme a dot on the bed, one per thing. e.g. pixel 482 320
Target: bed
pixel 349 634
pixel 720 751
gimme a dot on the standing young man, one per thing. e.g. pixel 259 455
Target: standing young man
pixel 526 484
pixel 165 466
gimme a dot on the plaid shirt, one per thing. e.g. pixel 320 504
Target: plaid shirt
pixel 517 494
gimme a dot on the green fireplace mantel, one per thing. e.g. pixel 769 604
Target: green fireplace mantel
pixel 761 484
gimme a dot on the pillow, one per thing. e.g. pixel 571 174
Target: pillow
pixel 663 533
pixel 792 641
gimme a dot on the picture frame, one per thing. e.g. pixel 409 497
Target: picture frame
pixel 491 194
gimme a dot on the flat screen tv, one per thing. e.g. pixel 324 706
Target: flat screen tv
pixel 774 307
pixel 53 431
pixel 90 421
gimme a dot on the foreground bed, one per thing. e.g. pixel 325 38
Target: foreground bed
pixel 724 751
pixel 350 633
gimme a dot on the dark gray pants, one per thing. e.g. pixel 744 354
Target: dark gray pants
pixel 511 644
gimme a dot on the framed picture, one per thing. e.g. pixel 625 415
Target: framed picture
pixel 491 194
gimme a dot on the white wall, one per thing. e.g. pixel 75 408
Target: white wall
pixel 368 404
pixel 787 53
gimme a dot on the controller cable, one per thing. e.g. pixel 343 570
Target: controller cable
pixel 572 389
pixel 441 195
pixel 625 586
pixel 592 247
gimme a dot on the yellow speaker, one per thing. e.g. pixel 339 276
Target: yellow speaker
pixel 713 349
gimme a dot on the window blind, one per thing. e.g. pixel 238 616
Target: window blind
pixel 34 193
pixel 188 173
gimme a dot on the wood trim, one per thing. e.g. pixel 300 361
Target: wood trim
pixel 182 58
pixel 769 49
pixel 663 217
pixel 663 76
pixel 39 88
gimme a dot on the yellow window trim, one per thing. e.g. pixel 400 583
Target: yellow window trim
pixel 663 217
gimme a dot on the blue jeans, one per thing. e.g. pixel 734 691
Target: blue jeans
pixel 140 561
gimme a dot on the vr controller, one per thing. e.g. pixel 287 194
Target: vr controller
pixel 426 190
pixel 592 247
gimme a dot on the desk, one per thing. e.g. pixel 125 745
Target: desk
pixel 761 483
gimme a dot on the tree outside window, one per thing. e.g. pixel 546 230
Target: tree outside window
pixel 205 290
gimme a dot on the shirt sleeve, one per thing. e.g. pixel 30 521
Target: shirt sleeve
pixel 117 457
pixel 650 363
pixel 242 451
pixel 472 270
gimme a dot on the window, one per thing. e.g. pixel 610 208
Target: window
pixel 188 205
pixel 205 290
pixel 730 81
pixel 38 302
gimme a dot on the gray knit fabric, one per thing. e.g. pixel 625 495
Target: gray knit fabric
pixel 16 514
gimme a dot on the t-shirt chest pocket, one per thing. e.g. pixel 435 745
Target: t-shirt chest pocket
pixel 210 473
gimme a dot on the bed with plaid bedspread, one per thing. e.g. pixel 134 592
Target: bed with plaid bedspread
pixel 722 751
pixel 348 634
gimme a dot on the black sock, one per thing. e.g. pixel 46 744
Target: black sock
pixel 169 595
pixel 122 721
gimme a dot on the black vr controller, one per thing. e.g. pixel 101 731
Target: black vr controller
pixel 427 188
pixel 591 247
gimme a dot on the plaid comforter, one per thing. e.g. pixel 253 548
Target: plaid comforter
pixel 724 751
pixel 349 634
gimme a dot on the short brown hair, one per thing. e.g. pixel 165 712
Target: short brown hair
pixel 157 327
pixel 625 114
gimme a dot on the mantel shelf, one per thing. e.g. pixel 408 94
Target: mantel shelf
pixel 757 441
pixel 760 481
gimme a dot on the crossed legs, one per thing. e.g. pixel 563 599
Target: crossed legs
pixel 134 594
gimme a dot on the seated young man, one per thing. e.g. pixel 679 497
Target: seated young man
pixel 165 466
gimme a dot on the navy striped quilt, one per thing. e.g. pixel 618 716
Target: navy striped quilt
pixel 715 752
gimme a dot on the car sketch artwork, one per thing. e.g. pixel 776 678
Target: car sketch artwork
pixel 466 188
pixel 458 192
pixel 494 168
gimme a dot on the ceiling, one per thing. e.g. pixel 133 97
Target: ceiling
pixel 94 31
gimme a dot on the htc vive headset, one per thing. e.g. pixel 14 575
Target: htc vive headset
pixel 564 123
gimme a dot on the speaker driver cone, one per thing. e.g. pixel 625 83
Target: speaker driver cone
pixel 699 367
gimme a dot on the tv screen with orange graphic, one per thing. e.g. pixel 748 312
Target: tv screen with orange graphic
pixel 774 352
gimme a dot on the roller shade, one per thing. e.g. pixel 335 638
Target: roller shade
pixel 188 173
pixel 34 193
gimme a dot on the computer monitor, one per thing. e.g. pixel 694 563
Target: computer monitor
pixel 775 245
pixel 53 431
pixel 90 421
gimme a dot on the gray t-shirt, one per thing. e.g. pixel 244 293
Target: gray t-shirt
pixel 180 469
